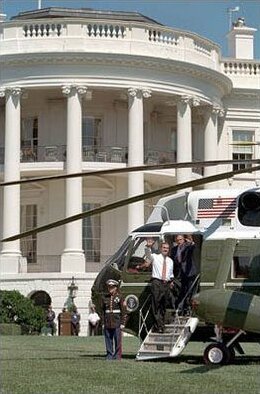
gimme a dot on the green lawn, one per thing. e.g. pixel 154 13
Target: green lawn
pixel 48 365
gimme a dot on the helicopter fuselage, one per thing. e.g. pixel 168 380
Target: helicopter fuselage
pixel 226 255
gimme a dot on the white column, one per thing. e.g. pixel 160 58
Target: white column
pixel 184 138
pixel 211 141
pixel 136 154
pixel 73 259
pixel 11 254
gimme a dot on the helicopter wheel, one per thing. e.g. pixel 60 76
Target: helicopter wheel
pixel 217 354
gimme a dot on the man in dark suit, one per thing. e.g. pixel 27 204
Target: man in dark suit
pixel 182 255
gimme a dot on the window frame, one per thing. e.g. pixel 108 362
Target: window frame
pixel 96 258
pixel 238 150
pixel 31 239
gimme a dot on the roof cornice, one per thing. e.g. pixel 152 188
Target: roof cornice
pixel 71 58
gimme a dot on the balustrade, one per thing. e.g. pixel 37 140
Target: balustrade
pixel 114 154
pixel 55 153
pixel 42 30
pixel 60 34
pixel 238 67
pixel 104 154
pixel 43 153
pixel 159 157
pixel 105 30
pixel 164 37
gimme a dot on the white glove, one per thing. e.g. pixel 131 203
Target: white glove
pixel 122 326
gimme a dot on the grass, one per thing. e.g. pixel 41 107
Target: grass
pixel 41 365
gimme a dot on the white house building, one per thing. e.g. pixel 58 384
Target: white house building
pixel 83 90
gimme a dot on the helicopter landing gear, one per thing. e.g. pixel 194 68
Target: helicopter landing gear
pixel 216 354
pixel 220 353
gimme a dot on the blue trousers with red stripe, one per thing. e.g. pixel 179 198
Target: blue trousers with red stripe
pixel 113 341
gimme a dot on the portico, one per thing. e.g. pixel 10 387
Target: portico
pixel 135 118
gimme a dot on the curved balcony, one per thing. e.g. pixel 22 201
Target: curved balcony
pixel 109 154
pixel 107 37
pixel 105 154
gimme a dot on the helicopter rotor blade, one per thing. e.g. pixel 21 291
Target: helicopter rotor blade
pixel 121 203
pixel 245 143
pixel 121 170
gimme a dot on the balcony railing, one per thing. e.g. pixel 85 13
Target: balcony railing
pixel 241 67
pixel 107 36
pixel 244 74
pixel 159 157
pixel 109 154
pixel 43 153
pixel 54 153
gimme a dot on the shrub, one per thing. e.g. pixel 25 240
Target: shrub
pixel 15 308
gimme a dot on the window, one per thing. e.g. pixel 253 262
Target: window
pixel 241 152
pixel 117 261
pixel 91 234
pixel 91 132
pixel 249 209
pixel 247 267
pixel 29 139
pixel 28 222
pixel 139 251
pixel 241 267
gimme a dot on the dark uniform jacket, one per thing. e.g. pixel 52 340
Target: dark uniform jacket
pixel 75 318
pixel 114 311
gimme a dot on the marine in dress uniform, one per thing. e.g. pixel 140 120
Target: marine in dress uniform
pixel 114 317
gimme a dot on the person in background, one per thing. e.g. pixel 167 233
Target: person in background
pixel 75 319
pixel 113 319
pixel 93 321
pixel 64 310
pixel 50 317
pixel 153 245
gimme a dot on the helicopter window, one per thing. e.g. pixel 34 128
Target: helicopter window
pixel 241 266
pixel 249 209
pixel 138 253
pixel 117 261
pixel 246 267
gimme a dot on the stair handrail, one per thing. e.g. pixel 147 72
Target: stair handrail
pixel 188 292
pixel 143 317
pixel 175 331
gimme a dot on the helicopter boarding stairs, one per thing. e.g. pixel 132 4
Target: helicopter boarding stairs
pixel 172 341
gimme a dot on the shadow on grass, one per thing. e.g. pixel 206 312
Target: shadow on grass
pixel 195 361
pixel 100 357
pixel 200 367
